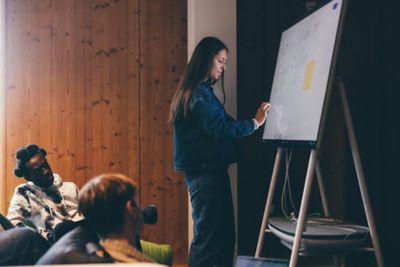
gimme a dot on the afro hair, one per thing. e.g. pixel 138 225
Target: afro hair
pixel 23 155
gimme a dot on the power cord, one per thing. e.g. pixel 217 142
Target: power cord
pixel 286 184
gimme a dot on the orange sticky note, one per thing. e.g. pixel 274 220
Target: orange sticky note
pixel 309 75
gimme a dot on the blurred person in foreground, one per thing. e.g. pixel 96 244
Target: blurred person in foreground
pixel 109 205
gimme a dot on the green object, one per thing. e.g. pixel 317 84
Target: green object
pixel 160 253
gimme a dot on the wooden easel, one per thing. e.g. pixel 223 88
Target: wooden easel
pixel 314 166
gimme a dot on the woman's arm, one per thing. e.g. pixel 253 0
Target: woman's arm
pixel 210 116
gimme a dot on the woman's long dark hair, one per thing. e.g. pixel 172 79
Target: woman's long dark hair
pixel 195 73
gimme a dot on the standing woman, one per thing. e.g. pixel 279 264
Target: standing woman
pixel 204 137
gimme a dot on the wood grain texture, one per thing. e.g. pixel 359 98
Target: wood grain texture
pixel 2 103
pixel 163 27
pixel 91 82
pixel 71 87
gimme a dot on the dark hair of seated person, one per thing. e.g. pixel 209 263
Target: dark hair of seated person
pixel 103 201
pixel 23 155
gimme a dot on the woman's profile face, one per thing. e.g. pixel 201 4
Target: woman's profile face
pixel 218 65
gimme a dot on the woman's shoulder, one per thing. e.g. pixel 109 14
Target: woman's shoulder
pixel 203 90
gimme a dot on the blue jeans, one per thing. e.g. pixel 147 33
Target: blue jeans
pixel 214 227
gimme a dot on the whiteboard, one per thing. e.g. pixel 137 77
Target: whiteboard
pixel 304 64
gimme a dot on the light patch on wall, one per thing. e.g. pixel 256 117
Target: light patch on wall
pixel 2 106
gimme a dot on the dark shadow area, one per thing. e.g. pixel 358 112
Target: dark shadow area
pixel 368 63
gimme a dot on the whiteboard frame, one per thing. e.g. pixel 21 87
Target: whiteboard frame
pixel 331 77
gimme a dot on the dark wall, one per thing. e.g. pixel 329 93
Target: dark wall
pixel 368 64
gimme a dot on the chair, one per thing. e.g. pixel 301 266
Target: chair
pixel 160 253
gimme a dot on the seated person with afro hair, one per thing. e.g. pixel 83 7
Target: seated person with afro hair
pixel 45 201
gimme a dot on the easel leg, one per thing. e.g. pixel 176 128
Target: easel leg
pixel 303 209
pixel 360 176
pixel 322 191
pixel 268 204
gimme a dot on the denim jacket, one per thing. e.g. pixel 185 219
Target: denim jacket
pixel 205 138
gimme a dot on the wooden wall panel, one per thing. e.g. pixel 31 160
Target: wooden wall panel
pixel 71 86
pixel 163 44
pixel 2 102
pixel 74 86
pixel 109 97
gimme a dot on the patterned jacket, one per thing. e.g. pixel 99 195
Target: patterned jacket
pixel 43 208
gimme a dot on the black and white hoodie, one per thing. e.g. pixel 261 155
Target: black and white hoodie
pixel 43 208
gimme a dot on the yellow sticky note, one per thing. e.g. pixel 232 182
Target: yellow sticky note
pixel 309 75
